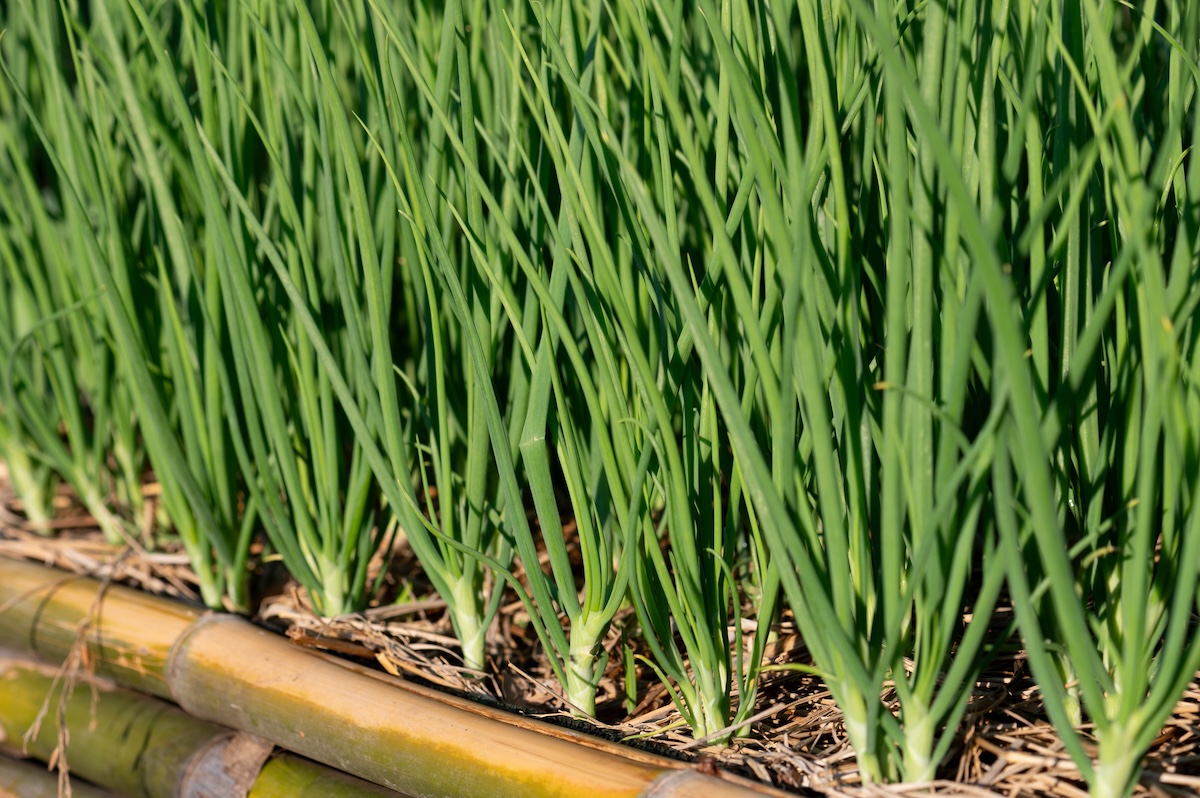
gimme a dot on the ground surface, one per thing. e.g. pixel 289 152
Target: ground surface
pixel 795 740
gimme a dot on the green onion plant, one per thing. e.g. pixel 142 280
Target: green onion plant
pixel 198 485
pixel 62 411
pixel 1096 482
pixel 878 314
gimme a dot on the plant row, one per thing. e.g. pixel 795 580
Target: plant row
pixel 881 314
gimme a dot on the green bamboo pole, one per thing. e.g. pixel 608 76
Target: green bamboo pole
pixel 137 745
pixel 291 776
pixel 32 780
pixel 132 744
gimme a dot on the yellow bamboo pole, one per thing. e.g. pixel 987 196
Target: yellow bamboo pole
pixel 129 635
pixel 406 741
pixel 225 670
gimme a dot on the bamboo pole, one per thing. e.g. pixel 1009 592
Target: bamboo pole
pixel 29 780
pixel 225 670
pixel 392 737
pixel 133 745
pixel 141 746
pixel 289 776
pixel 129 636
